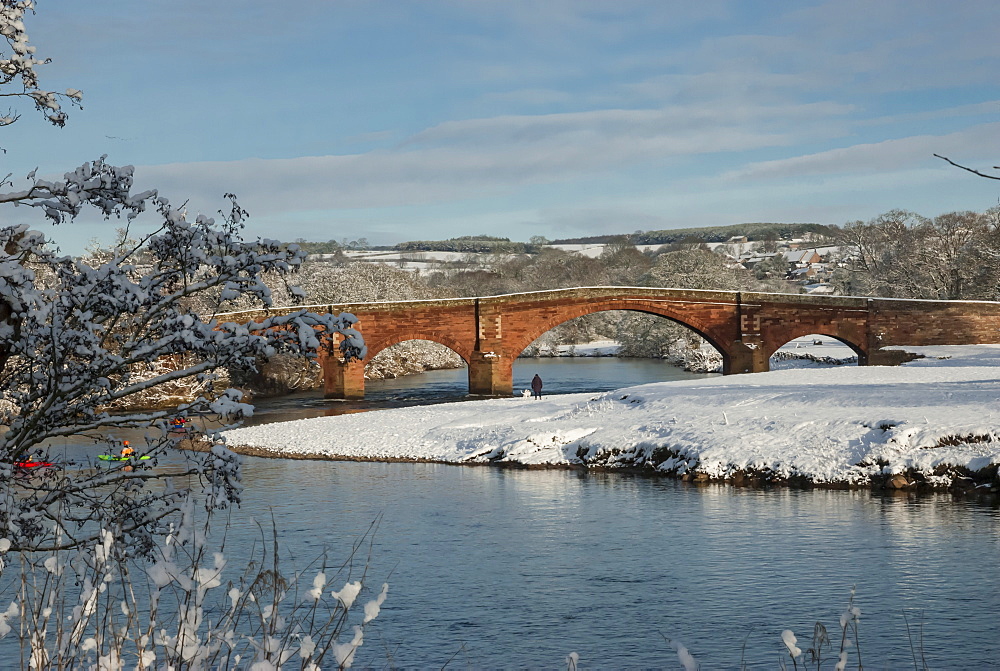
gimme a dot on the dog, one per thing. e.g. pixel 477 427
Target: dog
pixel 525 393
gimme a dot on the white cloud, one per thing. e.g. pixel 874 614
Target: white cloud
pixel 989 108
pixel 474 157
pixel 652 98
pixel 886 156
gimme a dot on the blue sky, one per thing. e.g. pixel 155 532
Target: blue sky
pixel 430 119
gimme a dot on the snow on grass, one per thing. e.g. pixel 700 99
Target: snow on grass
pixel 934 419
pixel 594 348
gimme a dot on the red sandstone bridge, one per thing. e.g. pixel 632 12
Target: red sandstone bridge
pixel 746 328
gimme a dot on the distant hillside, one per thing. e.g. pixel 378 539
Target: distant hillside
pixel 467 244
pixel 486 244
pixel 753 231
pixel 334 247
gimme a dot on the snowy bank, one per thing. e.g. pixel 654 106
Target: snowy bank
pixel 594 348
pixel 934 422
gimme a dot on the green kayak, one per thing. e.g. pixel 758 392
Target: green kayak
pixel 111 457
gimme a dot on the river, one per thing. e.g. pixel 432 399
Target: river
pixel 496 568
pixel 503 568
pixel 561 375
pixel 516 569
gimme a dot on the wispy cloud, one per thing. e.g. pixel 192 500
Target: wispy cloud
pixel 474 157
pixel 556 113
pixel 887 156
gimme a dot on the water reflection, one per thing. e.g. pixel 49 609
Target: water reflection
pixel 517 568
pixel 606 564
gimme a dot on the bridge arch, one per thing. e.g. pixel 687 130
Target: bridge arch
pixel 519 343
pixel 347 379
pixel 379 345
pixel 788 334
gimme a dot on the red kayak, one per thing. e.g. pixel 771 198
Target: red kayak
pixel 33 464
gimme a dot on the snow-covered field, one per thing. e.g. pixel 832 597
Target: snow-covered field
pixel 595 348
pixel 933 422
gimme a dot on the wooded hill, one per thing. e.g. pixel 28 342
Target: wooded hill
pixel 487 244
pixel 468 244
pixel 752 231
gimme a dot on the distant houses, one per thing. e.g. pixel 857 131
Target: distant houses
pixel 806 268
pixel 802 257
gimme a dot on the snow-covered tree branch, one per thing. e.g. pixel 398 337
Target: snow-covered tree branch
pixel 78 341
pixel 18 64
pixel 84 342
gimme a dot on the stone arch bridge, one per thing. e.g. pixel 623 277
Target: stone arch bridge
pixel 746 328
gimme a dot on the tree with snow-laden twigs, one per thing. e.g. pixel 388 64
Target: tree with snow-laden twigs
pixel 77 342
pixel 80 342
pixel 18 64
pixel 87 346
pixel 901 254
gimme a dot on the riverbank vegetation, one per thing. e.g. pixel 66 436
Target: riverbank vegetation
pixel 185 605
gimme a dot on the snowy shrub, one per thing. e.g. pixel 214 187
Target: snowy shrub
pixel 93 607
pixel 822 643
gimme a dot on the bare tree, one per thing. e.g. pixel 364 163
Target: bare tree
pixel 696 269
pixel 957 257
pixel 624 263
pixel 903 255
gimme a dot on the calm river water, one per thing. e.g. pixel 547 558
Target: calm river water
pixel 492 568
pixel 495 568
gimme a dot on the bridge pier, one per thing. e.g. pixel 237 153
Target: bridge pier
pixel 886 357
pixel 490 374
pixel 746 358
pixel 341 379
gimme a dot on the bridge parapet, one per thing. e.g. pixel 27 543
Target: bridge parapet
pixel 828 302
pixel 596 293
pixel 917 322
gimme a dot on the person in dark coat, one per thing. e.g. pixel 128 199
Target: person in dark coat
pixel 536 386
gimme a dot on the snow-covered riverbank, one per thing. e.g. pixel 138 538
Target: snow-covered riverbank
pixel 933 422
